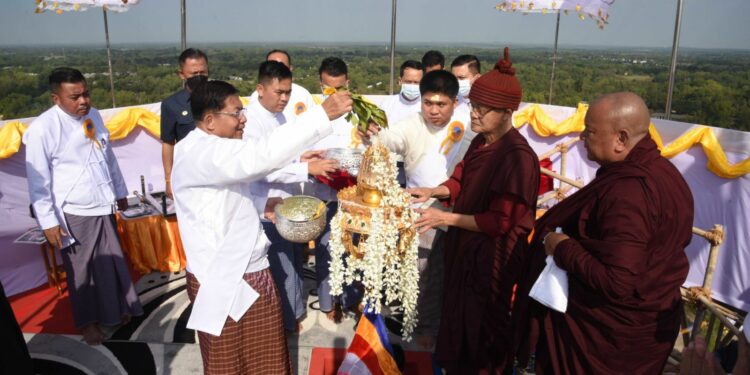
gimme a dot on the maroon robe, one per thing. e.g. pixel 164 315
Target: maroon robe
pixel 497 184
pixel 625 260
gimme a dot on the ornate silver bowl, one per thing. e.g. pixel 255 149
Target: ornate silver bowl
pixel 348 159
pixel 300 218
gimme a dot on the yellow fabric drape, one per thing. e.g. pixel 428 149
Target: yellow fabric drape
pixel 125 121
pixel 10 138
pixel 545 126
pixel 717 159
pixel 152 243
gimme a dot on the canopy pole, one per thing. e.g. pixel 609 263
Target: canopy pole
pixel 673 65
pixel 554 59
pixel 109 58
pixel 183 27
pixel 393 43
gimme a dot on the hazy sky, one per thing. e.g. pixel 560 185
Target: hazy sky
pixel 632 23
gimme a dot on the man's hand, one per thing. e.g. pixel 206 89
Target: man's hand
pixel 54 236
pixel 430 218
pixel 420 194
pixel 551 240
pixel 338 104
pixel 312 155
pixel 322 167
pixel 122 204
pixel 268 212
pixel 372 129
pixel 168 189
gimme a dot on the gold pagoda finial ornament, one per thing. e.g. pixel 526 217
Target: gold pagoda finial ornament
pixel 373 239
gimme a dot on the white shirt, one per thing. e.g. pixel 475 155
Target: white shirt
pixel 426 152
pixel 286 181
pixel 69 172
pixel 300 101
pixel 217 215
pixel 396 107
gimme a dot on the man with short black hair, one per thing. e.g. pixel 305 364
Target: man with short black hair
pixel 398 106
pixel 265 114
pixel 235 303
pixel 75 188
pixel 467 69
pixel 334 75
pixel 430 143
pixel 299 99
pixel 176 116
pixel 433 60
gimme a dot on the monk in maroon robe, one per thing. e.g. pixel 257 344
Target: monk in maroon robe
pixel 623 241
pixel 494 192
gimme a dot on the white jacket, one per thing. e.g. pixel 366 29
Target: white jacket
pixel 69 172
pixel 217 214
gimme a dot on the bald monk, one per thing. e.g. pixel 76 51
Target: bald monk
pixel 623 242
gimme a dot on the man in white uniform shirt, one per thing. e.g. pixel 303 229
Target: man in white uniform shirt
pixel 407 101
pixel 300 99
pixel 430 142
pixel 236 306
pixel 74 182
pixel 263 116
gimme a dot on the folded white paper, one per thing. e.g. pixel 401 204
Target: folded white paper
pixel 551 288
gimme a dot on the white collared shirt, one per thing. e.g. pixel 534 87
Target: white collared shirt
pixel 217 214
pixel 286 181
pixel 68 171
pixel 300 101
pixel 397 108
pixel 426 155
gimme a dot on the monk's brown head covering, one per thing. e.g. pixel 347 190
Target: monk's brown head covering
pixel 498 88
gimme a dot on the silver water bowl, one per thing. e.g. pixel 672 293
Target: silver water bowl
pixel 300 218
pixel 348 159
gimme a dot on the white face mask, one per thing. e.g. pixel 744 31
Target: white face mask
pixel 464 86
pixel 410 91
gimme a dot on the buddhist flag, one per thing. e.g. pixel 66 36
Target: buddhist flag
pixel 370 351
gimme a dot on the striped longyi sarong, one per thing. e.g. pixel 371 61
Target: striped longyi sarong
pixel 256 344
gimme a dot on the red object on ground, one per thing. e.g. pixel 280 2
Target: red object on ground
pixel 42 310
pixel 546 183
pixel 326 361
pixel 340 179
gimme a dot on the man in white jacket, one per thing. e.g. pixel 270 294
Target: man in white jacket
pixel 74 182
pixel 236 306
pixel 265 114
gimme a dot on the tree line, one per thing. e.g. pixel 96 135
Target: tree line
pixel 711 87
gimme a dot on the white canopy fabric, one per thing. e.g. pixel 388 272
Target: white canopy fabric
pixel 598 10
pixel 60 6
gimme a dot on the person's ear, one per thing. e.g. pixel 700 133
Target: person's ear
pixel 55 98
pixel 208 121
pixel 623 136
pixel 259 89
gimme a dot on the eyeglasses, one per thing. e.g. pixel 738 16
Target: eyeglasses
pixel 236 115
pixel 481 110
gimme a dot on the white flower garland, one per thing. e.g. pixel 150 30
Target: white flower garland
pixel 385 268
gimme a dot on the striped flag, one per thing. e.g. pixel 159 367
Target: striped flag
pixel 370 352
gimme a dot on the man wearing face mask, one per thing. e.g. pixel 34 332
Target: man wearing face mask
pixel 406 102
pixel 467 69
pixel 176 116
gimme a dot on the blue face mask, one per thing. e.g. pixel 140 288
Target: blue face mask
pixel 464 87
pixel 410 91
